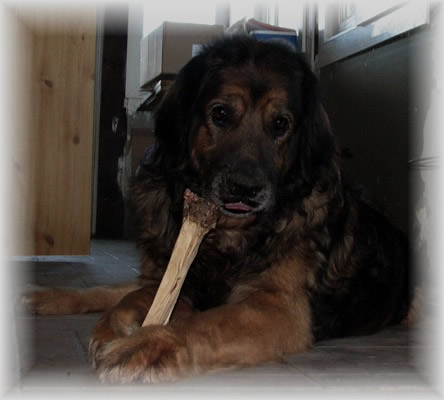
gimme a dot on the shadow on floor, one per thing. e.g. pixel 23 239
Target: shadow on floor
pixel 53 349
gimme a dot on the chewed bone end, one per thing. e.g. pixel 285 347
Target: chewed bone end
pixel 199 210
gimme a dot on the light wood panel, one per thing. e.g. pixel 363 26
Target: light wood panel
pixel 20 111
pixel 55 149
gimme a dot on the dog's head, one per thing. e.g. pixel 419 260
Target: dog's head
pixel 243 125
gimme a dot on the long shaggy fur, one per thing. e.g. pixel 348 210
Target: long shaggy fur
pixel 358 260
pixel 296 256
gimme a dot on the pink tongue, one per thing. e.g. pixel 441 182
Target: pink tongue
pixel 237 207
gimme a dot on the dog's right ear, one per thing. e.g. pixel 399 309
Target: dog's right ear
pixel 174 118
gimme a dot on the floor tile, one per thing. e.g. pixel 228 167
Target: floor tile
pixel 53 349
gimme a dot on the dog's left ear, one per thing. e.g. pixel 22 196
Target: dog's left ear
pixel 316 141
pixel 174 116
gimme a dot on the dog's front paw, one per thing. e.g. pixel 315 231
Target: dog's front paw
pixel 151 354
pixel 117 322
pixel 47 301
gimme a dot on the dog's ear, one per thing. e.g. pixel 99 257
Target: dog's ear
pixel 316 147
pixel 174 117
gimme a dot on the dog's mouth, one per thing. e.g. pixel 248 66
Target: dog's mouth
pixel 240 200
pixel 240 207
pixel 237 209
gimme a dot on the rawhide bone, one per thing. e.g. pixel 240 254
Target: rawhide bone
pixel 199 217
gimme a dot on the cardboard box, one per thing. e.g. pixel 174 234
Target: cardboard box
pixel 169 47
pixel 290 38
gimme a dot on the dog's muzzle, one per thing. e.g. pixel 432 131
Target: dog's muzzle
pixel 241 194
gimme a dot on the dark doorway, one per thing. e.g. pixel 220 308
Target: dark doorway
pixel 112 135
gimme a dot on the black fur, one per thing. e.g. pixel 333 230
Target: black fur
pixel 358 260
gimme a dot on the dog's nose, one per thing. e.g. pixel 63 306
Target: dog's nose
pixel 243 180
pixel 243 188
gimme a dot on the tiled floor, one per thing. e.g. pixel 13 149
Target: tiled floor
pixel 53 355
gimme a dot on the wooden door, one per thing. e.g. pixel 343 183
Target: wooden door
pixel 52 68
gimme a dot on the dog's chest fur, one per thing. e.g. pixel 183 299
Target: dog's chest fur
pixel 225 258
pixel 229 258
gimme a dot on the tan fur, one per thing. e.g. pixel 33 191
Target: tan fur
pixel 415 312
pixel 289 266
pixel 75 301
pixel 242 332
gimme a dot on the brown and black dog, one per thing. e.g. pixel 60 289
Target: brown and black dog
pixel 296 255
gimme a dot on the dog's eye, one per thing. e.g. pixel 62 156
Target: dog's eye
pixel 219 115
pixel 280 126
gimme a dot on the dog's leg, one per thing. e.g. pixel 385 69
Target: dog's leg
pixel 75 301
pixel 268 319
pixel 127 316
